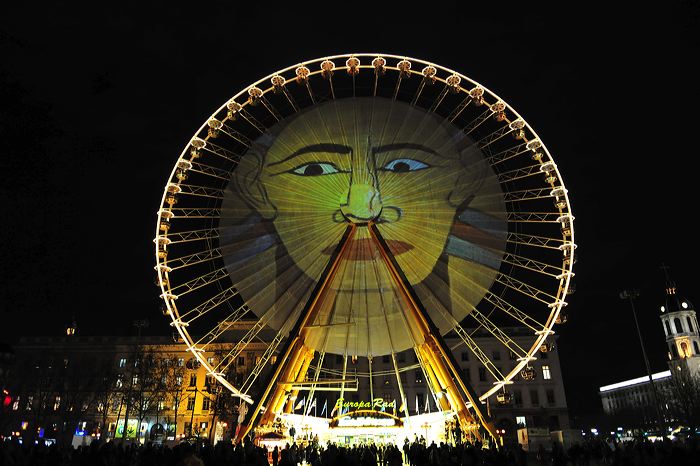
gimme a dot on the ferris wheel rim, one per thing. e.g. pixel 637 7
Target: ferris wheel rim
pixel 565 280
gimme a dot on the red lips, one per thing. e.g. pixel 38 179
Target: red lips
pixel 364 249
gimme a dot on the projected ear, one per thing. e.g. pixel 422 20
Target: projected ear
pixel 247 179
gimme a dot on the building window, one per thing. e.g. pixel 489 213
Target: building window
pixel 135 380
pixel 210 360
pixel 241 360
pixel 534 398
pixel 193 380
pixel 554 422
pixel 258 359
pixel 120 382
pixel 546 373
pixel 518 398
pixel 678 325
pixel 205 404
pixel 695 347
pixel 178 380
pixel 57 403
pixel 180 362
pixel 122 362
pixel 690 325
pixel 30 402
pixel 467 374
pixel 273 359
pixel 465 356
pixel 420 401
pixel 668 328
pixel 550 397
pixel 190 403
pixel 496 355
pixel 520 421
pixel 674 351
pixel 482 374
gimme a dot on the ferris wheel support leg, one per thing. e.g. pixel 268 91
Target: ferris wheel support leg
pixel 442 360
pixel 306 358
pixel 294 352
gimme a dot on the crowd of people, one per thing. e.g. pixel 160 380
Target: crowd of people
pixel 417 453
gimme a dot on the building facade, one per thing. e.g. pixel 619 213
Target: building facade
pixel 640 402
pixel 67 387
pixel 77 386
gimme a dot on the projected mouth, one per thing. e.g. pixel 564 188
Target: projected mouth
pixel 365 249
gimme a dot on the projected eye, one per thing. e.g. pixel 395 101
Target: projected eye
pixel 405 165
pixel 315 169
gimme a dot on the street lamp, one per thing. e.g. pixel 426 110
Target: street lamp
pixel 631 295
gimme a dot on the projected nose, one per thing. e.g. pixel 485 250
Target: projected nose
pixel 362 204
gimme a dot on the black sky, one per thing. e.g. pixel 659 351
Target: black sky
pixel 96 105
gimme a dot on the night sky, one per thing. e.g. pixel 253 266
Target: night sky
pixel 96 105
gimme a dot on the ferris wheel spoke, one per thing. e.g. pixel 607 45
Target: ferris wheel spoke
pixel 271 108
pixel 508 154
pixel 241 345
pixel 528 195
pixel 459 109
pixel 524 288
pixel 252 120
pixel 195 212
pixel 489 139
pixel 438 100
pixel 514 312
pixel 193 259
pixel 478 121
pixel 221 152
pixel 264 359
pixel 534 217
pixel 210 304
pixel 236 136
pixel 476 350
pixel 223 326
pixel 200 191
pixel 196 283
pixel 280 85
pixel 193 235
pixel 519 173
pixel 533 265
pixel 218 173
pixel 545 242
pixel 497 333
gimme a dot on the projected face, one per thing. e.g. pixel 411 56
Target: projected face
pixel 357 162
pixel 425 185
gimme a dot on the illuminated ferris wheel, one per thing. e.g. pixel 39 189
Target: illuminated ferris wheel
pixel 363 205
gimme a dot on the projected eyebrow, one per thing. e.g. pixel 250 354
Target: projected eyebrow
pixel 325 148
pixel 405 145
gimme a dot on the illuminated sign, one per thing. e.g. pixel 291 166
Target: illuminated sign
pixel 376 404
pixel 130 429
pixel 366 418
pixel 365 422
